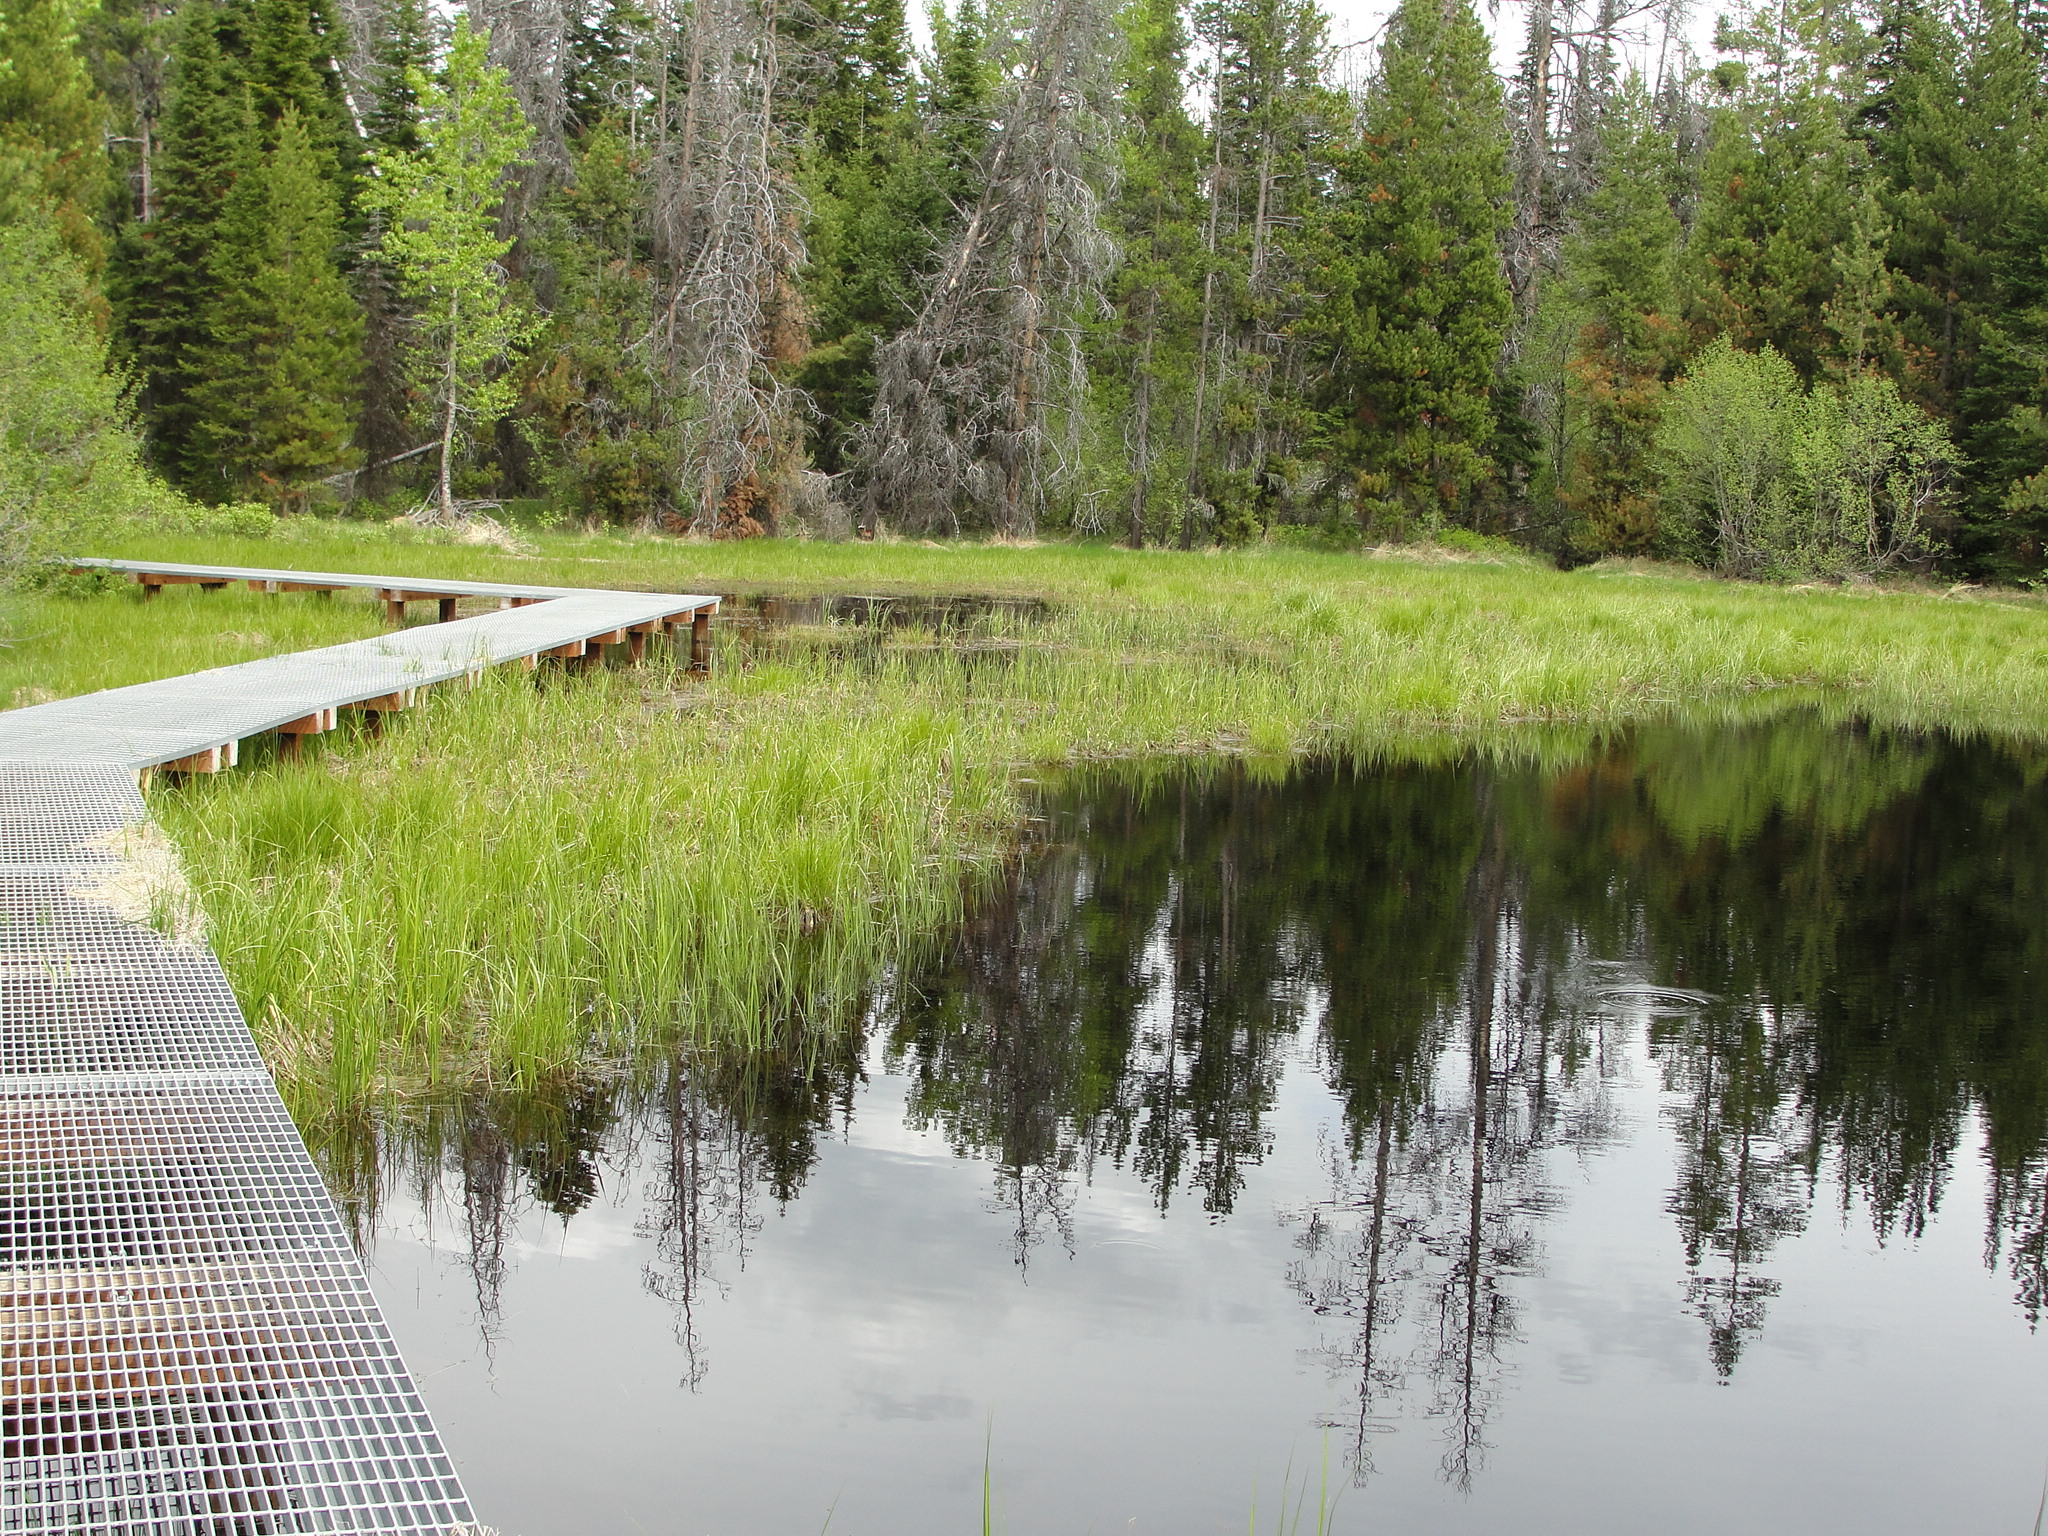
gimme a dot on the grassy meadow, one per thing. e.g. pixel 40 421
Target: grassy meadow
pixel 553 871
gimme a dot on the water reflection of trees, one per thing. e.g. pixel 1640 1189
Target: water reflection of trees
pixel 712 1139
pixel 1823 937
pixel 1822 941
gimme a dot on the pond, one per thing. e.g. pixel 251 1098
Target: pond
pixel 1642 1133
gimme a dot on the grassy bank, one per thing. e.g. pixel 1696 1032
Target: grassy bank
pixel 1282 649
pixel 525 876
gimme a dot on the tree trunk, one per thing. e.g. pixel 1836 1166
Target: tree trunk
pixel 449 392
pixel 1187 520
pixel 1141 457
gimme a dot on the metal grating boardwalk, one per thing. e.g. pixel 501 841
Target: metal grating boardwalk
pixel 188 1344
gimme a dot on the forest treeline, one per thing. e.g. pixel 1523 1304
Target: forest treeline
pixel 1177 273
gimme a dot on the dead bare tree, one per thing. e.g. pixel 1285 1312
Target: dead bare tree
pixel 965 400
pixel 728 225
pixel 529 41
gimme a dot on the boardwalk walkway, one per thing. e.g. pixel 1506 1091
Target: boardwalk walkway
pixel 188 1344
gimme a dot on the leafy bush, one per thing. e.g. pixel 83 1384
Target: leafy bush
pixel 70 465
pixel 1768 478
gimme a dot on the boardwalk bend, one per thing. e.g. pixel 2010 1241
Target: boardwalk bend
pixel 188 1345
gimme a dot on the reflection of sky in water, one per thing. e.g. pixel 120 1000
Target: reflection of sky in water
pixel 855 1350
pixel 1165 1371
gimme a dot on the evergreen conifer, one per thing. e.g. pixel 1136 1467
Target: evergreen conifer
pixel 1158 218
pixel 52 120
pixel 163 276
pixel 1620 266
pixel 1418 307
pixel 276 408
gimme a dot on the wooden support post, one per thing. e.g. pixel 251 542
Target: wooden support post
pixel 394 607
pixel 385 703
pixel 700 640
pixel 211 586
pixel 636 645
pixel 447 609
pixel 152 584
pixel 212 760
pixel 289 734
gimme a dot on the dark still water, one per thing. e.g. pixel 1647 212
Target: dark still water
pixel 1649 1136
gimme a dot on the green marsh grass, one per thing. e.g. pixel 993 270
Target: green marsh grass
pixel 523 879
pixel 531 876
pixel 1295 647
pixel 88 635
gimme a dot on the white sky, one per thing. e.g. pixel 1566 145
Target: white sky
pixel 1356 24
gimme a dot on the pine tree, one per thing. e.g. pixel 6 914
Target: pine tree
pixel 1780 184
pixel 52 118
pixel 162 272
pixel 1621 281
pixel 874 180
pixel 277 402
pixel 440 233
pixel 404 51
pixel 590 400
pixel 961 92
pixel 291 68
pixel 1956 131
pixel 599 76
pixel 1418 305
pixel 2004 408
pixel 1157 218
pixel 1271 134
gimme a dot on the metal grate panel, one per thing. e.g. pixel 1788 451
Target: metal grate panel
pixel 173 1012
pixel 54 915
pixel 63 812
pixel 187 1341
pixel 188 1344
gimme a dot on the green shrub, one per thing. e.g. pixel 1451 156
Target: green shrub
pixel 70 465
pixel 1768 478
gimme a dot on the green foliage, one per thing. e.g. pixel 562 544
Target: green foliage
pixel 277 400
pixel 403 53
pixel 1275 130
pixel 1620 291
pixel 589 404
pixel 1780 184
pixel 1769 478
pixel 162 278
pixel 603 51
pixel 52 119
pixel 70 466
pixel 1147 351
pixel 1418 307
pixel 877 175
pixel 1306 321
pixel 439 205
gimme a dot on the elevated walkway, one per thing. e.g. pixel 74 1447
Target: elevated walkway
pixel 188 1342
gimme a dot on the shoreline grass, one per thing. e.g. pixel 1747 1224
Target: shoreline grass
pixel 528 877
